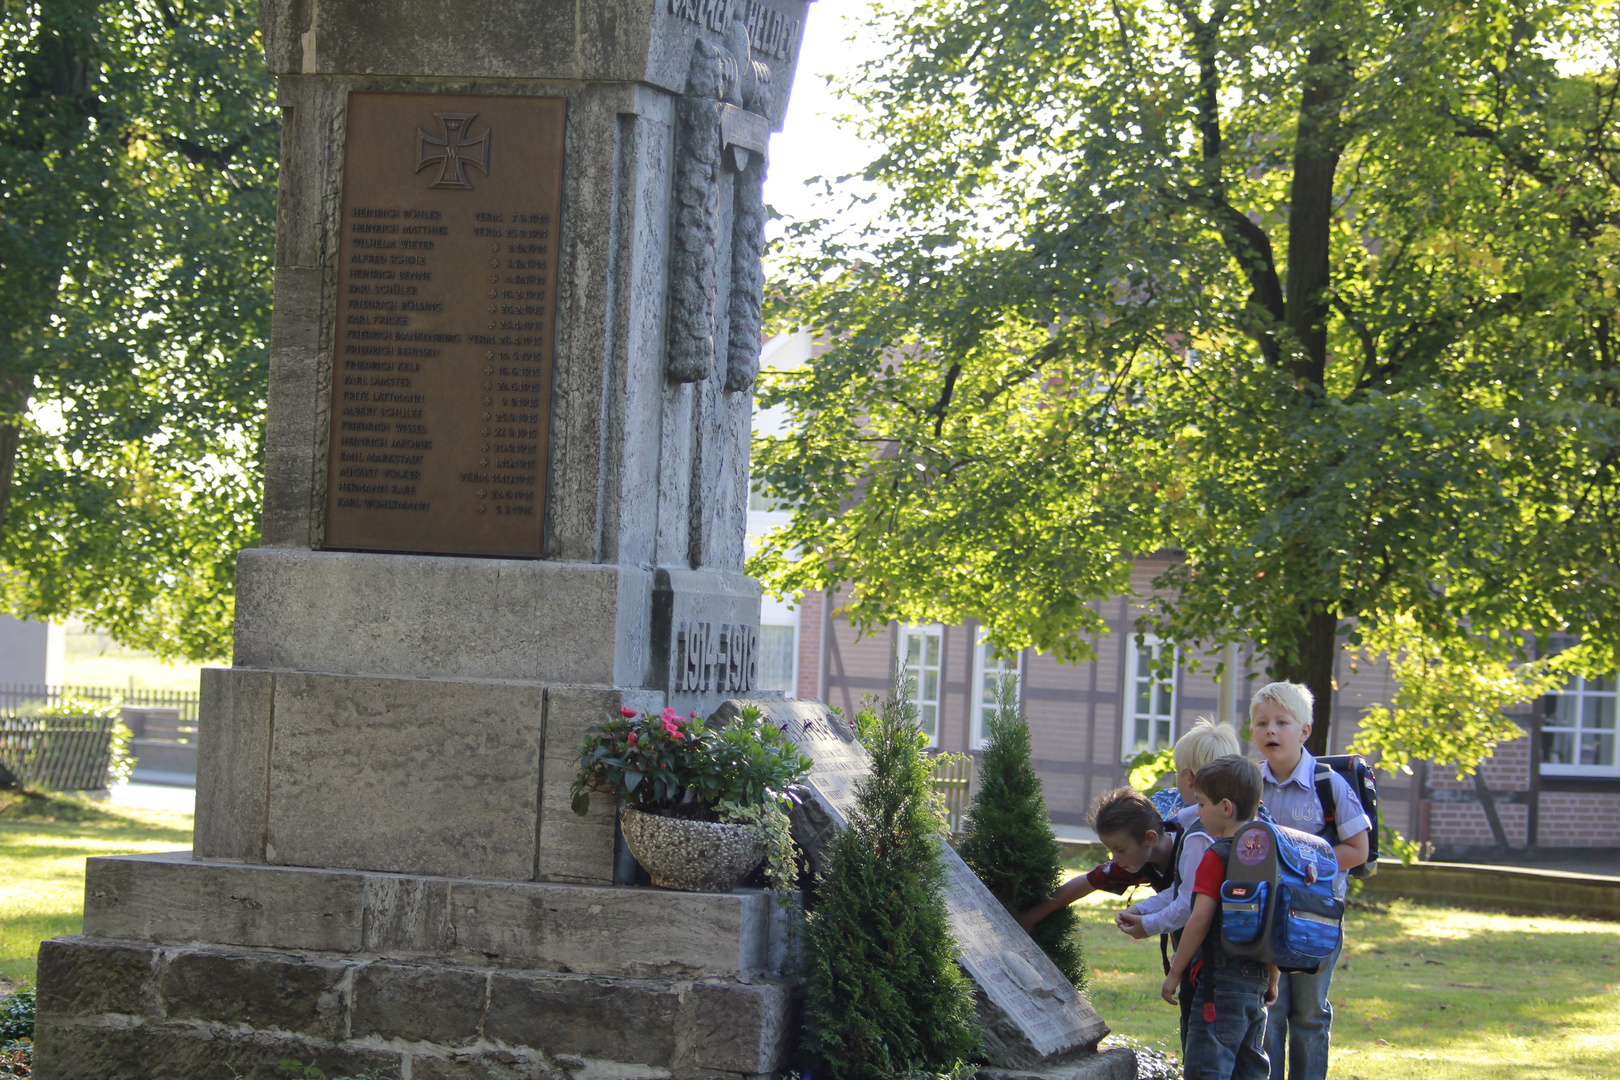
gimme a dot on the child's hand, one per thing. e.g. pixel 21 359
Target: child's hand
pixel 1171 984
pixel 1271 987
pixel 1130 924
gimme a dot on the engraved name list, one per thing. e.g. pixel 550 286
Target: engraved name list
pixel 441 371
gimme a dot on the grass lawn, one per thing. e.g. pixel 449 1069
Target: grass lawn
pixel 43 845
pixel 1423 993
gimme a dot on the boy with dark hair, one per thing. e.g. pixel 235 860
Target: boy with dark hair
pixel 1226 1038
pixel 1128 824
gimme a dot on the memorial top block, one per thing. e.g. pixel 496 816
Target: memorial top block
pixel 638 41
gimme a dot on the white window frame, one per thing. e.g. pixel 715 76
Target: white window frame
pixel 917 681
pixel 985 668
pixel 1582 693
pixel 1128 712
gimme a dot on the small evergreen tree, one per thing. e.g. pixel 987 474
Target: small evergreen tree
pixel 885 996
pixel 1007 837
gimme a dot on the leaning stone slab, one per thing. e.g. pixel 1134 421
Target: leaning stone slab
pixel 1030 1012
pixel 1116 1064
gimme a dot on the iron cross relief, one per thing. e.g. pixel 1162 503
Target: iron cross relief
pixel 454 150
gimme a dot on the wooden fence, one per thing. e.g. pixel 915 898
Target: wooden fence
pixel 67 753
pixel 952 781
pixel 19 699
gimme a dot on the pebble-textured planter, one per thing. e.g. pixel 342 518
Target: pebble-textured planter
pixel 694 856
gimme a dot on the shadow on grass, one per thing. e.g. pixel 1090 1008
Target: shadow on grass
pixel 50 814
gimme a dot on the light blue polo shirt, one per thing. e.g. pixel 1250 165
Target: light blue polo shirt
pixel 1292 802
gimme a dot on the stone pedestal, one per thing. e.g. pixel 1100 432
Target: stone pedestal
pixel 386 869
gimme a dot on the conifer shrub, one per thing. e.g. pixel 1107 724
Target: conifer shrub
pixel 885 998
pixel 1007 836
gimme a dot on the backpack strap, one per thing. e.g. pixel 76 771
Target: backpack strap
pixel 1222 847
pixel 1324 798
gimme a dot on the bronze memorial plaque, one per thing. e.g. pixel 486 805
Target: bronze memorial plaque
pixel 441 373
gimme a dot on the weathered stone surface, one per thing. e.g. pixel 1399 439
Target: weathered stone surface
pixel 573 848
pixel 408 915
pixel 1031 1014
pixel 615 931
pixel 739 1028
pixel 268 991
pixel 233 764
pixel 168 897
pixel 429 617
pixel 612 1019
pixel 79 977
pixel 187 1052
pixel 485 1065
pixel 1118 1063
pixel 171 897
pixel 418 1003
pixel 405 775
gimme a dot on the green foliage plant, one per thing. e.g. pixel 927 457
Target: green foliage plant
pixel 1322 297
pixel 1007 838
pixel 884 998
pixel 138 160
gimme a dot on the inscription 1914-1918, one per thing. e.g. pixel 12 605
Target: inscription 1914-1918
pixel 441 374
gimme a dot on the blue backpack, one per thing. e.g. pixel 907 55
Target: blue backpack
pixel 1277 903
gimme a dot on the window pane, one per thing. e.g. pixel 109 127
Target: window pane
pixel 1565 712
pixel 1162 735
pixel 1558 747
pixel 913 649
pixel 1602 686
pixel 1144 698
pixel 776 658
pixel 1163 705
pixel 931 657
pixel 930 690
pixel 926 717
pixel 1599 712
pixel 911 683
pixel 1597 749
pixel 1143 726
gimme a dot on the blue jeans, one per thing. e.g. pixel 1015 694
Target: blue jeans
pixel 1226 1035
pixel 1299 1027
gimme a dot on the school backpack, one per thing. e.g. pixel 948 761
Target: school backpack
pixel 1277 902
pixel 1362 780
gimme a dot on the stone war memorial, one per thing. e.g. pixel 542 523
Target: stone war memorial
pixel 516 328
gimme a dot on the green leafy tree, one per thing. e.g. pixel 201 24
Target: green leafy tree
pixel 885 997
pixel 1320 296
pixel 1008 840
pixel 138 144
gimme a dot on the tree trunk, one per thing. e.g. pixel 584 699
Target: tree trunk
pixel 15 391
pixel 1315 649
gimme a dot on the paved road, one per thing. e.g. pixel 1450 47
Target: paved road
pixel 155 797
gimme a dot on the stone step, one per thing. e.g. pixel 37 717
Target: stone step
pixel 120 1010
pixel 171 897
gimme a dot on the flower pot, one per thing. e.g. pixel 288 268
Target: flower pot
pixel 694 856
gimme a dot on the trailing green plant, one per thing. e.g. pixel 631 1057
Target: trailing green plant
pixel 1007 838
pixel 771 823
pixel 884 998
pixel 17 1016
pixel 17 1035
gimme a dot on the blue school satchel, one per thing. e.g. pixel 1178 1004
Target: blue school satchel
pixel 1277 902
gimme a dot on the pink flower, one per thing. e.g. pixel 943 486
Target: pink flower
pixel 672 730
pixel 628 714
pixel 632 738
pixel 671 716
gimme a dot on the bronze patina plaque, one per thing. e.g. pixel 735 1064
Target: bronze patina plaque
pixel 441 373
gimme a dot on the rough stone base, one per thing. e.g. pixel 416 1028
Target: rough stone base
pixel 117 1010
pixel 1116 1064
